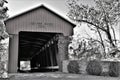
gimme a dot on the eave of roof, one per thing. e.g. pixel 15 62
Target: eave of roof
pixel 42 5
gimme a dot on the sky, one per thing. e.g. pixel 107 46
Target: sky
pixel 19 6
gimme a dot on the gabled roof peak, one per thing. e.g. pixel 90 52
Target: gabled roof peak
pixel 44 6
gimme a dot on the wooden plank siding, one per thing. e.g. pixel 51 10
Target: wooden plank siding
pixel 40 20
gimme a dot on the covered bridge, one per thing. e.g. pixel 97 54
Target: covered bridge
pixel 37 35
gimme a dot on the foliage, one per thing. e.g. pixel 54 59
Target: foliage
pixel 114 69
pixel 73 67
pixel 3 37
pixel 87 48
pixel 3 17
pixel 94 68
pixel 101 18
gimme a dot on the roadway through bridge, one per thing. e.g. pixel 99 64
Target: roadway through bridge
pixel 38 51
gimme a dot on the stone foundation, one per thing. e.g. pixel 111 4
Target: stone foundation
pixel 63 42
pixel 106 63
pixel 83 64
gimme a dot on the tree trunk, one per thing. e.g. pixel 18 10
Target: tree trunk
pixel 110 38
pixel 102 42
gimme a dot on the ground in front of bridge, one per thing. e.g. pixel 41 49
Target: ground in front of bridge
pixel 57 76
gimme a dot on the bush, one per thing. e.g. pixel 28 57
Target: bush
pixel 114 69
pixel 94 68
pixel 73 67
pixel 104 74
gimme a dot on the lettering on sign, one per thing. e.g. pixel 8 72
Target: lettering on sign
pixel 42 24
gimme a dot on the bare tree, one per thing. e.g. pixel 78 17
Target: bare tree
pixel 102 18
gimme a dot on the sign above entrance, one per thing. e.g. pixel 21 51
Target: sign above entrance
pixel 42 24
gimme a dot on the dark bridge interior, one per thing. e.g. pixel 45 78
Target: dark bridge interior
pixel 40 48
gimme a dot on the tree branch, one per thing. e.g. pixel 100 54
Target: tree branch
pixel 92 24
pixel 102 42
